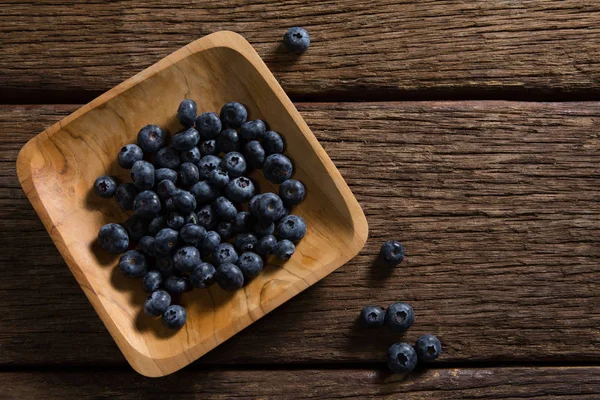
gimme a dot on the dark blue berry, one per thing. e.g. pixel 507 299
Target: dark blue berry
pixel 225 229
pixel 401 358
pixel 218 178
pixel 188 174
pixel 203 275
pixel 125 195
pixel 159 222
pixel 392 252
pixel 284 249
pixel 233 114
pixel 277 168
pixel 192 155
pixel 113 238
pixel 207 217
pixel 292 192
pixel 250 264
pixel 399 317
pixel 185 140
pixel 128 155
pixel 169 205
pixel 133 264
pixel 234 164
pixel 225 208
pixel 175 221
pixel 208 148
pixel 151 281
pixel 165 265
pixel 263 229
pixel 210 243
pixel 176 284
pixel 166 188
pixel 146 204
pixel 147 246
pixel 246 242
pixel 105 186
pixel 186 259
pixel 151 138
pixel 142 175
pixel 225 253
pixel 267 208
pixel 186 113
pixel 167 157
pixel 209 125
pixel 184 201
pixel 204 192
pixel 208 163
pixel 265 245
pixel 163 174
pixel 296 40
pixel 166 241
pixel 242 222
pixel 292 228
pixel 240 189
pixel 136 228
pixel 228 141
pixel 192 234
pixel 428 348
pixel 252 130
pixel 229 277
pixel 157 303
pixel 174 317
pixel 372 316
pixel 255 154
pixel 272 142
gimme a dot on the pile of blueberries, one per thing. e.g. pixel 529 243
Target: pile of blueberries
pixel 401 357
pixel 189 200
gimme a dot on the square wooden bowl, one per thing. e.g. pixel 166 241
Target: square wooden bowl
pixel 57 169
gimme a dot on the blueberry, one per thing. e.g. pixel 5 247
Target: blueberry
pixel 229 277
pixel 225 230
pixel 169 205
pixel 228 141
pixel 163 174
pixel 129 154
pixel 192 234
pixel 204 192
pixel 207 164
pixel 233 114
pixel 255 154
pixel 166 188
pixel 186 113
pixel 372 316
pixel 157 303
pixel 265 245
pixel 277 168
pixel 263 229
pixel 146 204
pixel 296 40
pixel 186 259
pixel 151 138
pixel 133 264
pixel 136 228
pixel 218 178
pixel 242 222
pixel 250 264
pixel 113 238
pixel 399 317
pixel 208 147
pixel 184 201
pixel 151 281
pixel 167 157
pixel 192 155
pixel 174 317
pixel 428 348
pixel 203 275
pixel 185 140
pixel 191 218
pixel 292 228
pixel 142 175
pixel 166 241
pixel 210 243
pixel 176 284
pixel 246 242
pixel 105 186
pixel 209 125
pixel 292 192
pixel 401 358
pixel 159 222
pixel 252 130
pixel 272 142
pixel 234 164
pixel 225 253
pixel 125 195
pixel 267 208
pixel 225 208
pixel 147 246
pixel 188 174
pixel 240 189
pixel 175 221
pixel 207 217
pixel 284 249
pixel 165 265
pixel 392 252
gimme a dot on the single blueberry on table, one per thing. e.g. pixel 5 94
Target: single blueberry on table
pixel 208 148
pixel 210 243
pixel 225 253
pixel 428 348
pixel 166 241
pixel 133 264
pixel 204 192
pixel 203 275
pixel 208 163
pixel 142 175
pixel 151 138
pixel 185 140
pixel 129 154
pixel 218 178
pixel 192 155
pixel 113 238
pixel 147 246
pixel 105 186
pixel 292 228
pixel 242 222
pixel 187 112
pixel 252 130
pixel 188 174
pixel 176 284
pixel 255 154
pixel 146 204
pixel 392 252
pixel 399 317
pixel 229 277
pixel 233 114
pixel 225 208
pixel 165 265
pixel 296 40
pixel 292 192
pixel 186 259
pixel 192 234
pixel 163 174
pixel 277 168
pixel 207 217
pixel 209 125
pixel 251 264
pixel 157 303
pixel 372 317
pixel 267 208
pixel 159 222
pixel 175 221
pixel 167 157
pixel 228 141
pixel 265 245
pixel 240 189
pixel 151 281
pixel 166 188
pixel 184 201
pixel 136 227
pixel 225 230
pixel 125 195
pixel 174 317
pixel 246 242
pixel 284 249
pixel 272 142
pixel 263 229
pixel 401 358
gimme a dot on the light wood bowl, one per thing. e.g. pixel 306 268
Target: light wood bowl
pixel 57 169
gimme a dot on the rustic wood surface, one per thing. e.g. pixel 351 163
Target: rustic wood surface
pixel 62 50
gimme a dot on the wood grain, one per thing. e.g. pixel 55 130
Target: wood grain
pixel 418 48
pixel 497 204
pixel 456 383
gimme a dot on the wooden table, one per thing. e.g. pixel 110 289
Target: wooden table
pixel 467 129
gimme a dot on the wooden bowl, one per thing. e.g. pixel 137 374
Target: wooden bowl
pixel 57 169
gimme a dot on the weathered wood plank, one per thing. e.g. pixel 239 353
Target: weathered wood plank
pixel 496 202
pixel 388 49
pixel 458 383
